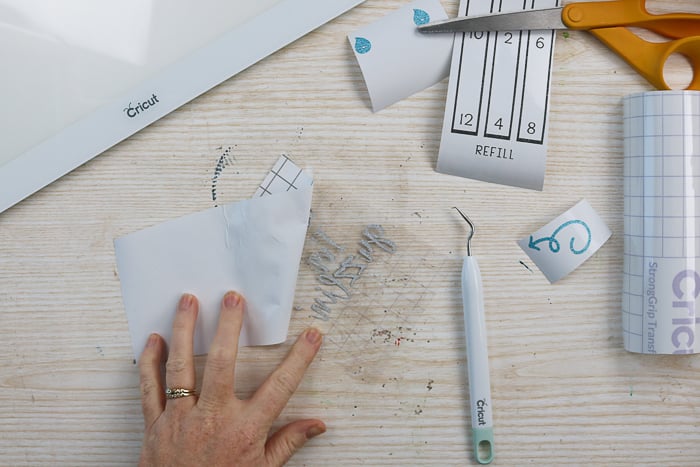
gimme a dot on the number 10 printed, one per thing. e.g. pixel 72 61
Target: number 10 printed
pixel 511 103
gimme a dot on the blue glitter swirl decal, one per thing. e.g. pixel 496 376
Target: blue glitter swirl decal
pixel 420 17
pixel 555 245
pixel 362 45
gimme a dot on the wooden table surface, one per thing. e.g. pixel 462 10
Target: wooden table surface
pixel 390 380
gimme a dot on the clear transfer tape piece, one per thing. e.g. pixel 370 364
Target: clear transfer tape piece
pixel 661 283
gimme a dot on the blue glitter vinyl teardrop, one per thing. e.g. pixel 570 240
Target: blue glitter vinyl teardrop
pixel 362 45
pixel 420 17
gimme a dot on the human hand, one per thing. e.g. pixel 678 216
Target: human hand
pixel 216 428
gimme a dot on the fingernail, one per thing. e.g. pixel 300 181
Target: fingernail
pixel 152 339
pixel 315 431
pixel 232 300
pixel 186 301
pixel 313 336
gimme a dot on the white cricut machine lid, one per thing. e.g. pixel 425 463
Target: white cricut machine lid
pixel 78 76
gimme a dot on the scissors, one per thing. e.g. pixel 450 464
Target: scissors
pixel 609 22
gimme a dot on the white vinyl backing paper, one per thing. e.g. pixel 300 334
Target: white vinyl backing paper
pixel 253 247
pixel 396 60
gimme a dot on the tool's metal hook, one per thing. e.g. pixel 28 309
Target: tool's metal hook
pixel 471 233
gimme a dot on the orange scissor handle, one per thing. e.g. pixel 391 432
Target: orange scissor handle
pixel 649 58
pixel 609 20
pixel 629 13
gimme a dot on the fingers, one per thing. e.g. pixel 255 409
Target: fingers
pixel 217 386
pixel 179 369
pixel 290 438
pixel 152 395
pixel 278 388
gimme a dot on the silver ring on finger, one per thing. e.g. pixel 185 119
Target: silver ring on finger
pixel 176 393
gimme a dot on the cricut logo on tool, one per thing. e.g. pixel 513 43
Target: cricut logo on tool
pixel 481 411
pixel 133 111
pixel 683 335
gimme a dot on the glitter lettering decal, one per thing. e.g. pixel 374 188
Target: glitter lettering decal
pixel 338 281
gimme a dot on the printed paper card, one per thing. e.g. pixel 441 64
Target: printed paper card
pixel 496 118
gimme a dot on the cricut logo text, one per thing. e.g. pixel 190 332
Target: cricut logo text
pixel 683 335
pixel 481 411
pixel 132 111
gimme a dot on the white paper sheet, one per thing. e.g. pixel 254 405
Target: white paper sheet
pixel 496 118
pixel 566 242
pixel 253 247
pixel 396 60
pixel 661 275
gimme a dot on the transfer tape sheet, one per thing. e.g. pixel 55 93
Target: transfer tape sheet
pixel 566 242
pixel 661 281
pixel 497 112
pixel 252 246
pixel 396 60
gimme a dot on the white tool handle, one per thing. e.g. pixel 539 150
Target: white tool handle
pixel 477 361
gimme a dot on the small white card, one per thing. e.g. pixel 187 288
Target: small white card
pixel 566 242
pixel 253 247
pixel 396 60
pixel 497 113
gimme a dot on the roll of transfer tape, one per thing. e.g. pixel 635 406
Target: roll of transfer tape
pixel 661 283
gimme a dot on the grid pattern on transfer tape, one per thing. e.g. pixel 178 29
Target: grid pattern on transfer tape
pixel 390 307
pixel 661 196
pixel 284 176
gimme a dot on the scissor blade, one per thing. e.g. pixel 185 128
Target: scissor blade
pixel 549 18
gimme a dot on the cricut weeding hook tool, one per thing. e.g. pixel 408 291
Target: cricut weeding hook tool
pixel 477 354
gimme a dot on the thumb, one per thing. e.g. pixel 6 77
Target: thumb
pixel 290 438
